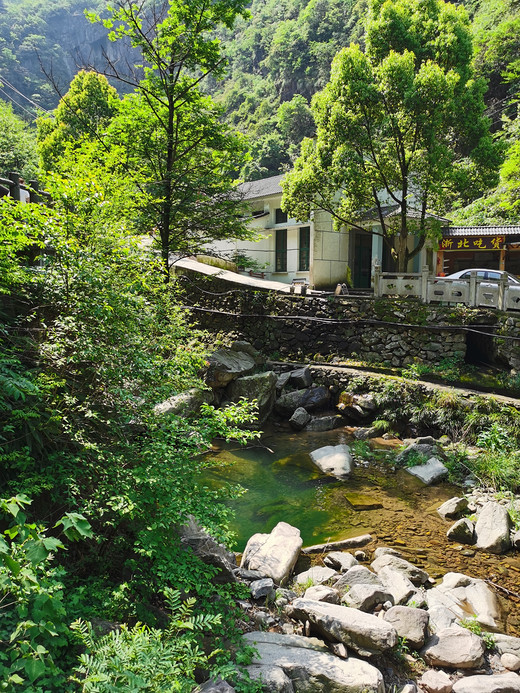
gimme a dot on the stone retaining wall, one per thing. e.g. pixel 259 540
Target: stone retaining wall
pixel 391 332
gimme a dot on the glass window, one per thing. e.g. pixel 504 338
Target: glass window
pixel 281 251
pixel 304 249
pixel 280 216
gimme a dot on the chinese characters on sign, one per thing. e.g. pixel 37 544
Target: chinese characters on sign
pixel 473 243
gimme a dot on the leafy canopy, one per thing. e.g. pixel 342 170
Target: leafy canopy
pixel 397 125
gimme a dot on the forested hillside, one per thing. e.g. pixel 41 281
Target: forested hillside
pixel 278 58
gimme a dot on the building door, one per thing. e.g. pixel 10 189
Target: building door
pixel 281 251
pixel 362 261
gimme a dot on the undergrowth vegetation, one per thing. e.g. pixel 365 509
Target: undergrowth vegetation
pixel 91 340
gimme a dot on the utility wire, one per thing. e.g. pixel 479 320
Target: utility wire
pixel 40 108
pixel 7 96
pixel 361 322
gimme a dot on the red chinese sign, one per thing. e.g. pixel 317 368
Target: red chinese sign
pixel 473 243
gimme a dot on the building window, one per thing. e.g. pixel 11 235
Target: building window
pixel 281 251
pixel 304 249
pixel 280 216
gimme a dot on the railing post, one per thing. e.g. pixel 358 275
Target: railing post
pixel 377 279
pixel 33 192
pixel 472 298
pixel 15 186
pixel 424 283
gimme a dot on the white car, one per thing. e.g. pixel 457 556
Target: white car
pixel 491 276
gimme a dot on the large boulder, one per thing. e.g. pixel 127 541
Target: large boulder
pixel 300 378
pixel 499 683
pixel 308 667
pixel 366 597
pixel 398 584
pixel 409 623
pixel 462 531
pixel 273 555
pixel 357 575
pixel 454 648
pixel 260 387
pixel 334 460
pixel 464 595
pixel 364 633
pixel 417 450
pixel 208 550
pixel 416 575
pixel 453 508
pixel 429 473
pixel 340 560
pixel 312 399
pixel 324 423
pixel 188 402
pixel 226 365
pixel 299 419
pixel 492 528
pixel 316 575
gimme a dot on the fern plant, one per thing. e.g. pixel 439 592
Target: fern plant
pixel 143 658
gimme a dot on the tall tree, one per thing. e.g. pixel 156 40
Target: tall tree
pixel 172 130
pixel 399 124
pixel 84 112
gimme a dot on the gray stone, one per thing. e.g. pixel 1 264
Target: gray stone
pixel 510 661
pixel 262 588
pixel 352 412
pixel 312 399
pixel 260 387
pixel 399 586
pixel 226 365
pixel 507 643
pixel 416 575
pixel 515 540
pixel 316 575
pixel 367 402
pixel 364 633
pixel 366 433
pixel 340 560
pixel 335 460
pixel 386 551
pixel 366 597
pixel 216 686
pixel 492 528
pixel 274 554
pixel 274 679
pixel 425 449
pixel 311 669
pixel 433 681
pixel 454 648
pixel 409 623
pixel 300 378
pixel 322 593
pixel 324 423
pixel 299 419
pixel 429 473
pixel 440 617
pixel 350 543
pixel 208 550
pixel 453 508
pixel 463 532
pixel 357 575
pixel 185 403
pixel 499 683
pixel 473 596
pixel 282 381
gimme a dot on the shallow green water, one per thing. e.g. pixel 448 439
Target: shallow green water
pixel 283 484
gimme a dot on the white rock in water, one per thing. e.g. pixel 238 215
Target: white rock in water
pixel 430 472
pixel 334 460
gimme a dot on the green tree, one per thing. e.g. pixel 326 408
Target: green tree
pixel 173 132
pixel 397 124
pixel 17 144
pixel 84 112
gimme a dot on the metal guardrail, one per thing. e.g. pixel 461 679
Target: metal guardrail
pixel 474 292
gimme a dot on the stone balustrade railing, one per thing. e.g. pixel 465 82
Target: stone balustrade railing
pixel 15 187
pixel 474 292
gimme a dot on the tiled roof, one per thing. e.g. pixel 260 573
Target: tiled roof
pixel 261 188
pixel 394 210
pixel 481 231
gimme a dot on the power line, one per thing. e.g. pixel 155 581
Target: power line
pixel 40 108
pixel 7 96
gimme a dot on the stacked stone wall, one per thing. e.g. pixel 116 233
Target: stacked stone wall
pixel 391 332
